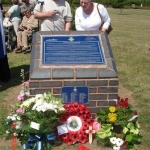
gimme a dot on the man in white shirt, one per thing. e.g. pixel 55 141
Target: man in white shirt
pixel 55 15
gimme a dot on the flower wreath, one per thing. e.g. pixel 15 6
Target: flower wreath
pixel 77 119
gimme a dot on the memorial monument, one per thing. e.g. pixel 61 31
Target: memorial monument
pixel 77 66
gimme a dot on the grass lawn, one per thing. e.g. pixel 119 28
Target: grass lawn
pixel 130 44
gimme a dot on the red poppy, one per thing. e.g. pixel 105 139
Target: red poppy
pixel 90 131
pixel 87 111
pixel 81 111
pixel 70 142
pixel 135 112
pixel 74 137
pixel 76 106
pixel 64 137
pixel 122 102
pixel 88 115
pixel 63 117
pixel 82 147
pixel 89 121
pixel 82 139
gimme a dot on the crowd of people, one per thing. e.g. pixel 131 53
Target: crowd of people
pixel 53 15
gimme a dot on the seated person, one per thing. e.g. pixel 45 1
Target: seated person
pixel 25 29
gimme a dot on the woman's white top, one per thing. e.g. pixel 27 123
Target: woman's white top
pixel 84 22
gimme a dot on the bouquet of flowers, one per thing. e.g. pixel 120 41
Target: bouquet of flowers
pixel 34 119
pixel 119 126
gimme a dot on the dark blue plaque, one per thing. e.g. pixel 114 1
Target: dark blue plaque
pixel 72 94
pixel 71 50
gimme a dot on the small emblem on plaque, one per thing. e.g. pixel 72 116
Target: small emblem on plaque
pixel 75 89
pixel 71 39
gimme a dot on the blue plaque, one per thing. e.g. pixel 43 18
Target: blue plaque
pixel 71 50
pixel 72 94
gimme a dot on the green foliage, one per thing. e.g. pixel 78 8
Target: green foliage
pixel 6 2
pixel 105 131
pixel 121 122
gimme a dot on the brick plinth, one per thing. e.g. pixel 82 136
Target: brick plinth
pixel 102 80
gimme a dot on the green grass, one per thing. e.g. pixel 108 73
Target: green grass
pixel 130 44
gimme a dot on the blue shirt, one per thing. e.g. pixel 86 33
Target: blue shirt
pixel 15 13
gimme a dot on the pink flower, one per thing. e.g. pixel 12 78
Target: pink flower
pixel 96 125
pixel 20 97
pixel 20 111
pixel 26 83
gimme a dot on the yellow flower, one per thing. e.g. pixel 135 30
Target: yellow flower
pixel 112 109
pixel 112 117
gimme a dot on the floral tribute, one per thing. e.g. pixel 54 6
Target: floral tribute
pixel 119 126
pixel 77 119
pixel 33 120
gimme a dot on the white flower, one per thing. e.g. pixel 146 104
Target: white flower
pixel 39 109
pixel 38 103
pixel 116 147
pixel 113 140
pixel 119 142
pixel 22 92
pixel 61 108
pixel 44 109
pixel 18 118
pixel 15 115
pixel 18 124
pixel 9 117
pixel 38 96
pixel 28 102
pixel 27 93
pixel 13 118
pixel 7 132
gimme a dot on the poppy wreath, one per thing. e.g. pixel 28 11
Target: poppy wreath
pixel 77 119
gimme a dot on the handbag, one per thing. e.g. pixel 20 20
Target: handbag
pixel 110 27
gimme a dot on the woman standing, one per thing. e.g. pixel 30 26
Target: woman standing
pixel 87 16
pixel 14 15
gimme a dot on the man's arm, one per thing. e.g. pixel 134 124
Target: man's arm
pixel 67 26
pixel 43 15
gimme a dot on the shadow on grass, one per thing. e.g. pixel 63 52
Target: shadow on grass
pixel 15 77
